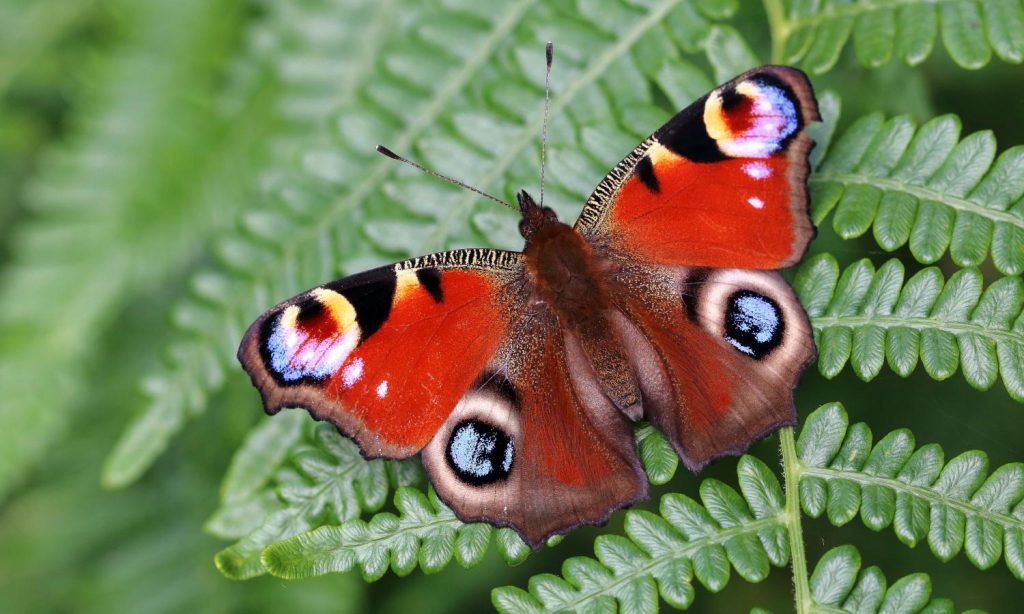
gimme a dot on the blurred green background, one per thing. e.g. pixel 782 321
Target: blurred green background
pixel 146 143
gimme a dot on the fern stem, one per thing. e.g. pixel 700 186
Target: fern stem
pixel 779 27
pixel 897 321
pixel 791 472
pixel 924 493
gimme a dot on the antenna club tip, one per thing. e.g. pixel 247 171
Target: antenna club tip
pixel 387 152
pixel 549 51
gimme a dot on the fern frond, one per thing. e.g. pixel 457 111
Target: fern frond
pixel 836 586
pixel 662 553
pixel 926 187
pixel 321 49
pixel 111 212
pixel 325 480
pixel 424 534
pixel 28 30
pixel 955 505
pixel 345 206
pixel 814 33
pixel 867 317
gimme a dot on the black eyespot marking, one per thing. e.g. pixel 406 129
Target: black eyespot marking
pixel 686 135
pixel 753 323
pixel 731 98
pixel 645 173
pixel 430 279
pixel 479 453
pixel 370 294
pixel 309 308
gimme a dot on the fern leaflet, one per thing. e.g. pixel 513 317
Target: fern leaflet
pixel 814 33
pixel 425 534
pixel 325 480
pixel 926 187
pixel 836 586
pixel 867 317
pixel 955 505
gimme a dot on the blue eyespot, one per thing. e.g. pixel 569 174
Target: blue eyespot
pixel 479 453
pixel 753 323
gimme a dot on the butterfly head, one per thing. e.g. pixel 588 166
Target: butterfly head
pixel 535 216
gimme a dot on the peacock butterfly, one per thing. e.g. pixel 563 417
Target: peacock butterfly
pixel 518 375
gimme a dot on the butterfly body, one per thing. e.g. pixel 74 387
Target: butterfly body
pixel 519 375
pixel 567 277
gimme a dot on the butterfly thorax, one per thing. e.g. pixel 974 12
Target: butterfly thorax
pixel 568 281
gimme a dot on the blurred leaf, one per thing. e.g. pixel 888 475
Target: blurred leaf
pixel 100 227
pixel 814 33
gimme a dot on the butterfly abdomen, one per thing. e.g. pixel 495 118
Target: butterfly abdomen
pixel 568 281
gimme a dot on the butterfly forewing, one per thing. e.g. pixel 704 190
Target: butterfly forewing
pixel 385 355
pixel 722 184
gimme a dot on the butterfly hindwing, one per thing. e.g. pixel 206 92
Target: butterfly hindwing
pixel 722 184
pixel 717 353
pixel 535 444
pixel 386 354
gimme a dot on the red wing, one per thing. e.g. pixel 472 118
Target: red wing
pixel 717 353
pixel 722 184
pixel 385 355
pixel 535 444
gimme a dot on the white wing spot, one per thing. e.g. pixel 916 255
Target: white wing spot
pixel 757 170
pixel 755 202
pixel 382 389
pixel 352 373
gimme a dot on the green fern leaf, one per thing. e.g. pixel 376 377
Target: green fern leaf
pixel 103 225
pixel 659 459
pixel 956 505
pixel 339 548
pixel 814 33
pixel 661 554
pixel 926 187
pixel 866 317
pixel 424 534
pixel 303 91
pixel 324 480
pixel 839 585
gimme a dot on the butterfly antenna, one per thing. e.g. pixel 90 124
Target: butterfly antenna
pixel 549 54
pixel 387 152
